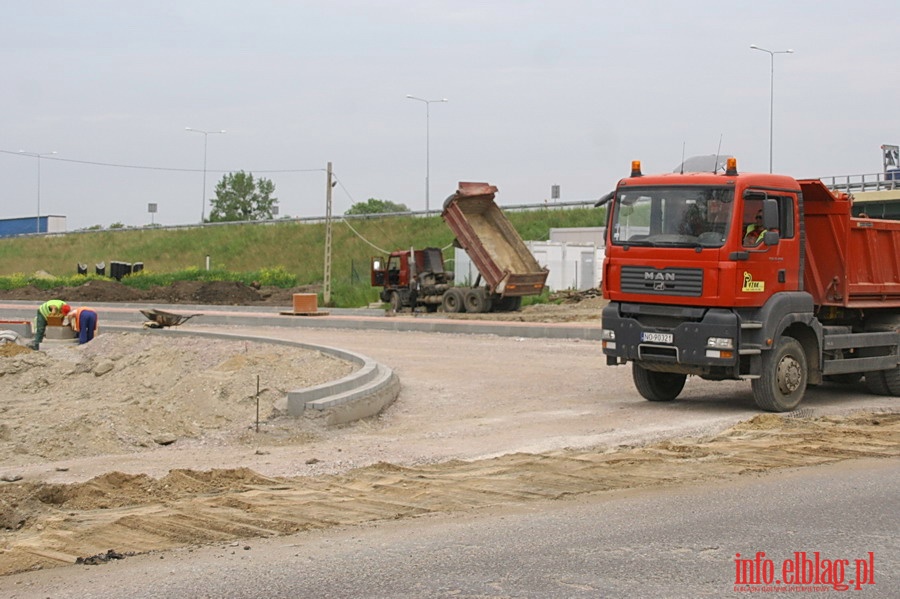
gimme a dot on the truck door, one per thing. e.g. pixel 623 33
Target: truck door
pixel 398 271
pixel 377 272
pixel 770 241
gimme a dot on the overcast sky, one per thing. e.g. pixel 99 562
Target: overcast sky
pixel 539 93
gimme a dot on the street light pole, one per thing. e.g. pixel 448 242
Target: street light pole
pixel 771 54
pixel 37 155
pixel 427 147
pixel 205 140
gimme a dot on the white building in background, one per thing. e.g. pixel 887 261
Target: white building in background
pixel 573 257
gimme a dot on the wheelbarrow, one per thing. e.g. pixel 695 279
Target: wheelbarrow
pixel 158 319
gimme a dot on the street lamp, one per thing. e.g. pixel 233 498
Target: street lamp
pixel 771 54
pixel 427 144
pixel 38 156
pixel 206 135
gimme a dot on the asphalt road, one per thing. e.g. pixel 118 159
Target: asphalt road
pixel 669 542
pixel 666 542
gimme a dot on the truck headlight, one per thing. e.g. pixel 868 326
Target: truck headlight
pixel 720 342
pixel 720 348
pixel 608 339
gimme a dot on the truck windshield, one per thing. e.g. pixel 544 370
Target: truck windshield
pixel 672 216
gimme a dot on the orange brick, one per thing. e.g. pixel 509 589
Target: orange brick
pixel 305 302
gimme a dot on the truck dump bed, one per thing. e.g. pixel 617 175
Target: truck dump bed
pixel 493 244
pixel 850 262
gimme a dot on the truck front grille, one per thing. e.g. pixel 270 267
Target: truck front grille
pixel 662 281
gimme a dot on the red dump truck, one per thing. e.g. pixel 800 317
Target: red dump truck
pixel 728 275
pixel 507 269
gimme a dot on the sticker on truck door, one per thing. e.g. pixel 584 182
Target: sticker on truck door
pixel 752 286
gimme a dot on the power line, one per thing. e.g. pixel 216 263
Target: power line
pixel 164 168
pixel 357 233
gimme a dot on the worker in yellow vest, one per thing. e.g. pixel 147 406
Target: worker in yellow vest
pixel 49 308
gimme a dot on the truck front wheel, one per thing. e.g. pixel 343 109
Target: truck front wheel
pixel 657 386
pixel 782 382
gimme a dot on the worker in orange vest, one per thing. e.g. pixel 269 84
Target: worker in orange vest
pixel 84 322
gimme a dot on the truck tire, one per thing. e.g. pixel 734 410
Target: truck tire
pixel 454 301
pixel 875 383
pixel 850 378
pixel 657 386
pixel 509 304
pixel 396 302
pixel 782 382
pixel 477 301
pixel 884 382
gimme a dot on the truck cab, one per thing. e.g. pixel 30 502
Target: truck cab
pixel 410 278
pixel 705 273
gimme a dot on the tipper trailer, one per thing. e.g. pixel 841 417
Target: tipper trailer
pixel 728 275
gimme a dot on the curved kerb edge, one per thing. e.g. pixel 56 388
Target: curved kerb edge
pixel 364 392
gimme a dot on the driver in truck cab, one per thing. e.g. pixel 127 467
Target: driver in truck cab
pixel 754 232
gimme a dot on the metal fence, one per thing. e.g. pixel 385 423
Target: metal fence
pixel 860 183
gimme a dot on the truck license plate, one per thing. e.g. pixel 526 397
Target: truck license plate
pixel 656 337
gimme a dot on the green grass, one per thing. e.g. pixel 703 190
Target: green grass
pixel 283 254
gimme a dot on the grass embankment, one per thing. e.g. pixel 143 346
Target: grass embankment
pixel 284 254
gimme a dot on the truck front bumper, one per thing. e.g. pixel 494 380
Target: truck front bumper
pixel 667 338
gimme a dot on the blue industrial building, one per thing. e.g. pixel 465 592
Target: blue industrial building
pixel 10 227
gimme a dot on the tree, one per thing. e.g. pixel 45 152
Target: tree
pixel 241 197
pixel 376 206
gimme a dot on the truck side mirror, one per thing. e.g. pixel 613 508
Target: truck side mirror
pixel 771 237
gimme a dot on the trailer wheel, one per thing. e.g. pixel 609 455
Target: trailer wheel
pixel 477 301
pixel 782 382
pixel 454 301
pixel 396 303
pixel 657 386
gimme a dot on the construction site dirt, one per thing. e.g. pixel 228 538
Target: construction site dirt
pixel 134 443
pixel 565 306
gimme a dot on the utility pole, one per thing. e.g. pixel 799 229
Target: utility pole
pixel 326 287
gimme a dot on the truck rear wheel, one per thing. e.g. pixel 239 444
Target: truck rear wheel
pixel 892 380
pixel 782 382
pixel 477 301
pixel 510 304
pixel 657 386
pixel 454 301
pixel 884 382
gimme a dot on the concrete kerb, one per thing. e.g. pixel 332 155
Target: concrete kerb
pixel 364 392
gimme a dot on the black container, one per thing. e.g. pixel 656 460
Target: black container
pixel 117 270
